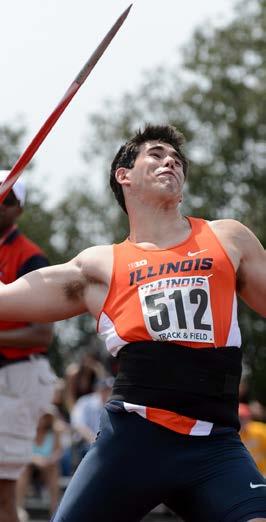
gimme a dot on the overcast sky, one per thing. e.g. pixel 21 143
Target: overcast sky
pixel 44 44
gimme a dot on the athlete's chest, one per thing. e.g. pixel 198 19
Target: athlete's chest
pixel 176 294
pixel 139 268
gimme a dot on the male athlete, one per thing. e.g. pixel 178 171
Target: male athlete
pixel 165 300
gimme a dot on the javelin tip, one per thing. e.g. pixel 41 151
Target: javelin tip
pixel 125 13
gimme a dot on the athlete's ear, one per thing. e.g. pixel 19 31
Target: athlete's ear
pixel 122 176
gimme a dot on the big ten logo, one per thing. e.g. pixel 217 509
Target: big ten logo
pixel 137 264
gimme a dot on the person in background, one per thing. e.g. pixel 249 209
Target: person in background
pixel 86 413
pixel 59 400
pixel 26 379
pixel 258 411
pixel 46 453
pixel 81 378
pixel 244 388
pixel 253 435
pixel 63 426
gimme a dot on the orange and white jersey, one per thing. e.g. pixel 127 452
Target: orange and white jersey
pixel 185 294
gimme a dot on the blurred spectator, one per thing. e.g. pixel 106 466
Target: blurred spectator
pixel 26 379
pixel 81 378
pixel 44 462
pixel 244 388
pixel 63 427
pixel 257 411
pixel 253 435
pixel 85 415
pixel 59 400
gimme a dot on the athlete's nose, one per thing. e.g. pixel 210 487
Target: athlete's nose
pixel 169 161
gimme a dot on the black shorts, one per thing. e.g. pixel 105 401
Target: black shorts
pixel 135 465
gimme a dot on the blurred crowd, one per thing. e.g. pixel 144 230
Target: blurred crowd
pixel 66 430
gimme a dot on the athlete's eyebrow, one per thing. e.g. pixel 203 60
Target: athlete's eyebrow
pixel 162 148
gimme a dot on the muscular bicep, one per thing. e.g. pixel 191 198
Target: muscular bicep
pixel 251 274
pixel 45 295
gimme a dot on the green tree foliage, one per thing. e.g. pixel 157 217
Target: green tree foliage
pixel 9 144
pixel 37 222
pixel 217 98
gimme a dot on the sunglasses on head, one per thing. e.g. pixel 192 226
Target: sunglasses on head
pixel 10 200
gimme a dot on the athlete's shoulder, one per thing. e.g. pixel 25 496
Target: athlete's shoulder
pixel 96 262
pixel 231 228
pixel 95 253
pixel 228 223
pixel 235 238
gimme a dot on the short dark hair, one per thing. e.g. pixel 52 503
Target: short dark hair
pixel 128 153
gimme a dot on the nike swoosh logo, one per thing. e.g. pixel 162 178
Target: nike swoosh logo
pixel 190 254
pixel 254 486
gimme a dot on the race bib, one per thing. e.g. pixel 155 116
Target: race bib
pixel 178 309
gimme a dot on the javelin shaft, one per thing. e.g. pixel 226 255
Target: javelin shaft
pixel 29 152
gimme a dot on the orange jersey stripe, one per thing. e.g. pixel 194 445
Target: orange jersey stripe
pixel 170 420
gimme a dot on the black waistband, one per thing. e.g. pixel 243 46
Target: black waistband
pixel 199 383
pixel 4 361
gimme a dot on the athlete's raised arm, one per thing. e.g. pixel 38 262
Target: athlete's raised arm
pixel 56 292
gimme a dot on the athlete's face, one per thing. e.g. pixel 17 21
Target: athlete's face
pixel 157 174
pixel 9 212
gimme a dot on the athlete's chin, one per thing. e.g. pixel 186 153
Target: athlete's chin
pixel 169 193
pixel 169 186
pixel 167 202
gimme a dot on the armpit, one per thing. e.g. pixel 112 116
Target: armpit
pixel 74 290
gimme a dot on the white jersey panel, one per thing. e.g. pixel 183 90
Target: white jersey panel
pixel 106 328
pixel 202 428
pixel 234 334
pixel 141 410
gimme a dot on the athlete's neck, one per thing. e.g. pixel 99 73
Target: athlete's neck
pixel 161 230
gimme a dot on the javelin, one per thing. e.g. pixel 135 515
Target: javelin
pixel 26 156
